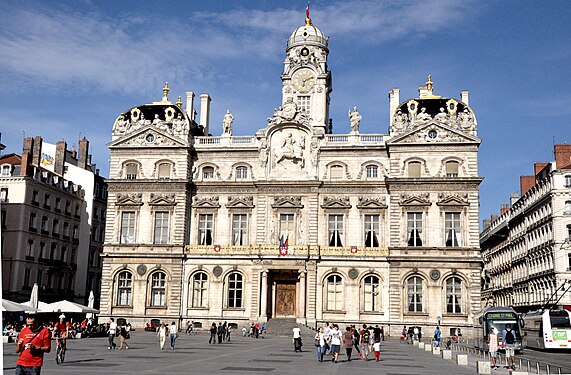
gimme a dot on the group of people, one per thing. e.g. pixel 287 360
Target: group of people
pixel 121 331
pixel 220 332
pixel 365 340
pixel 256 330
pixel 508 342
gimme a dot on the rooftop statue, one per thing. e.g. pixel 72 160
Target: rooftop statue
pixel 227 123
pixel 355 120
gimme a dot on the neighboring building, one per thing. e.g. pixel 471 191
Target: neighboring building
pixel 295 221
pixel 527 249
pixel 53 215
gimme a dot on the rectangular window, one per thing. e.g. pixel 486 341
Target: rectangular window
pixel 205 225
pixel 6 169
pixel 27 272
pixel 569 262
pixel 68 207
pixel 372 171
pixel 164 171
pixel 45 223
pixel 239 229
pixel 199 290
pixel 65 229
pixel 414 228
pixel 303 103
pixel 39 277
pixel 33 221
pixel 35 197
pixel 127 227
pixel 161 227
pixel 58 205
pixel 336 172
pixel 55 227
pixel 414 169
pixel 452 229
pixel 46 201
pixel 372 230
pixel 287 228
pixel 3 219
pixel 4 195
pixel 75 232
pixel 568 181
pixel 241 173
pixel 131 171
pixel 452 169
pixel 43 250
pixel 335 230
pixel 30 249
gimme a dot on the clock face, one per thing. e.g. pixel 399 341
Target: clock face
pixel 303 80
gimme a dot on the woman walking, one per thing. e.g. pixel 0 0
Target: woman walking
pixel 123 336
pixel 348 342
pixel 173 331
pixel 320 344
pixel 162 335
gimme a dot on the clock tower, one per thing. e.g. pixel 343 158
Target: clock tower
pixel 306 79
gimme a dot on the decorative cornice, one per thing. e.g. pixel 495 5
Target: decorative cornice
pixel 240 202
pixel 162 199
pixel 452 199
pixel 129 199
pixel 205 202
pixel 422 199
pixel 336 202
pixel 372 203
pixel 287 202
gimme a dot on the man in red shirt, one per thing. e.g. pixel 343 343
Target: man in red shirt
pixel 33 341
pixel 61 332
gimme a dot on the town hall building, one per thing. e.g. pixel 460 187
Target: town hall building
pixel 294 221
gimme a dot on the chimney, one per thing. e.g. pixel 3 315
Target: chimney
pixel 25 167
pixel 486 223
pixel 73 153
pixel 562 156
pixel 504 208
pixel 205 112
pixel 61 147
pixel 526 183
pixel 394 100
pixel 464 97
pixel 82 154
pixel 493 218
pixel 538 167
pixel 514 197
pixel 190 105
pixel 37 151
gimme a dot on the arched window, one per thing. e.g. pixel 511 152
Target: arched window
pixel 451 169
pixel 336 172
pixel 414 169
pixel 208 173
pixel 200 290
pixel 453 295
pixel 131 170
pixel 124 289
pixel 334 293
pixel 372 297
pixel 164 171
pixel 372 171
pixel 241 173
pixel 235 290
pixel 158 289
pixel 6 170
pixel 414 294
pixel 568 208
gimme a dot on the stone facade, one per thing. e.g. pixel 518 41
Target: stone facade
pixel 295 221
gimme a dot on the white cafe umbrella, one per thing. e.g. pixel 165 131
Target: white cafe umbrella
pixel 10 306
pixel 34 300
pixel 90 303
pixel 69 307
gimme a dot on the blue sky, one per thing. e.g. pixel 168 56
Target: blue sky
pixel 68 68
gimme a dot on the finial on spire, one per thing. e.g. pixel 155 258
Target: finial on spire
pixel 429 84
pixel 166 92
pixel 179 102
pixel 307 19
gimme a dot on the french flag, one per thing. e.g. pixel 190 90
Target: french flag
pixel 283 244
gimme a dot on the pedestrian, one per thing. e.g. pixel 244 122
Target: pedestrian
pixel 32 342
pixel 509 337
pixel 410 335
pixel 123 336
pixel 228 329
pixel 335 343
pixel 224 331
pixel 327 332
pixel 493 347
pixel 416 333
pixel 244 331
pixel 377 333
pixel 356 340
pixel 173 331
pixel 188 327
pixel 348 343
pixel 437 337
pixel 320 346
pixel 377 349
pixel 111 332
pixel 403 334
pixel 162 335
pixel 365 343
pixel 297 339
pixel 220 332
pixel 382 333
pixel 213 330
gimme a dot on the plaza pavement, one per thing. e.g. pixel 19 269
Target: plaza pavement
pixel 242 355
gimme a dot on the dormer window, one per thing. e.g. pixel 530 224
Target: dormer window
pixel 451 169
pixel 208 173
pixel 131 170
pixel 6 169
pixel 414 169
pixel 164 171
pixel 241 173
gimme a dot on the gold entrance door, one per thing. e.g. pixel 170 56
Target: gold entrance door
pixel 285 300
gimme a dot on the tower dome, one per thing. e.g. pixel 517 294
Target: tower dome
pixel 307 35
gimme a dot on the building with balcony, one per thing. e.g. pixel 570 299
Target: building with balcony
pixel 527 249
pixel 53 218
pixel 295 221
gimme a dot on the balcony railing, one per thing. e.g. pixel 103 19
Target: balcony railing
pixel 251 141
pixel 295 251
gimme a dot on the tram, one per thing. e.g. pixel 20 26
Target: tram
pixel 549 329
pixel 497 317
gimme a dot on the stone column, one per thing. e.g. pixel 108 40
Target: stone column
pixel 274 299
pixel 302 289
pixel 264 297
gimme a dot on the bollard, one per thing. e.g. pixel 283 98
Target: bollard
pixel 446 354
pixel 483 367
pixel 427 347
pixel 528 366
pixel 519 373
pixel 547 368
pixel 537 367
pixel 462 360
pixel 436 350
